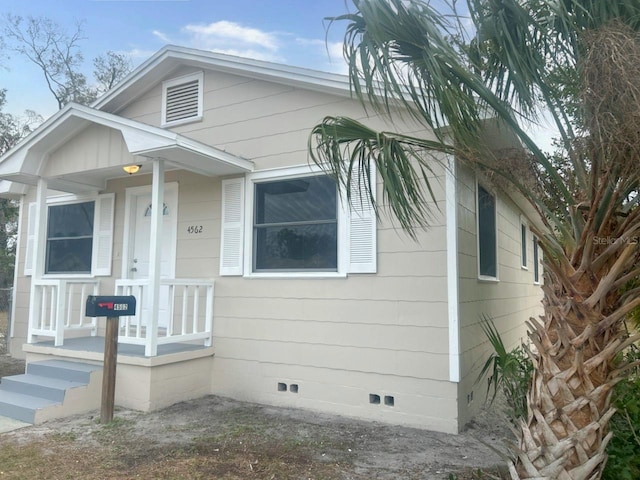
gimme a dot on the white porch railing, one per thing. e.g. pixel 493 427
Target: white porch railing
pixel 186 313
pixel 58 306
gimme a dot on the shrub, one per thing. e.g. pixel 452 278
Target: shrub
pixel 624 447
pixel 510 372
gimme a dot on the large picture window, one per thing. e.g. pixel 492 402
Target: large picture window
pixel 487 244
pixel 70 238
pixel 295 225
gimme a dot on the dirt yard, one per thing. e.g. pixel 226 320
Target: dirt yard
pixel 218 438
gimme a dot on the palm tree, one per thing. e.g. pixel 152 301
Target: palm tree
pixel 576 60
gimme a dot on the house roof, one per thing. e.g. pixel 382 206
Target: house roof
pixel 24 163
pixel 171 57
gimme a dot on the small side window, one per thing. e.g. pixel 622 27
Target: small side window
pixel 523 246
pixel 536 262
pixel 182 99
pixel 487 236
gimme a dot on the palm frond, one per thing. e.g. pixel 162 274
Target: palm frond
pixel 342 146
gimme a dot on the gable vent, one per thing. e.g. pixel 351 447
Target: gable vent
pixel 182 99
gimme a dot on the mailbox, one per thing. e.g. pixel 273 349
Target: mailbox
pixel 111 306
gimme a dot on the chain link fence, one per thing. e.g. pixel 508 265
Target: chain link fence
pixel 5 318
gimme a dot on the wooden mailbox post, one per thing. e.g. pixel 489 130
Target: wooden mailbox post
pixel 113 308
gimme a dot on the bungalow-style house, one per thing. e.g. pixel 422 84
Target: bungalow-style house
pixel 189 187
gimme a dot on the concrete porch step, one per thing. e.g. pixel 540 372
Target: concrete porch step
pixel 21 406
pixel 51 389
pixel 39 386
pixel 64 370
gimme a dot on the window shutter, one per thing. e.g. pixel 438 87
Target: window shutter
pixel 31 239
pixel 362 223
pixel 232 230
pixel 103 235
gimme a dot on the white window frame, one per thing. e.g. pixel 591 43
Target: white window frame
pixel 536 261
pixel 199 76
pixel 70 200
pixel 524 244
pixel 487 278
pixel 287 174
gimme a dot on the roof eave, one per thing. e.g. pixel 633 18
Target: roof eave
pixel 114 100
pixel 24 163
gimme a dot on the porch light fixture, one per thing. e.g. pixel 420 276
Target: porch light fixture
pixel 131 169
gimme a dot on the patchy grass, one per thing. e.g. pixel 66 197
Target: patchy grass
pixel 216 437
pixel 233 455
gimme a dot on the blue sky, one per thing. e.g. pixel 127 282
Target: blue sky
pixel 284 31
pixel 292 32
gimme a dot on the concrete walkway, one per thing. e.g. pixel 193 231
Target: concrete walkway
pixel 9 424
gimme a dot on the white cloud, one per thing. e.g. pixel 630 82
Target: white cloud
pixel 161 36
pixel 249 53
pixel 137 54
pixel 330 51
pixel 225 32
pixel 229 38
pixel 233 38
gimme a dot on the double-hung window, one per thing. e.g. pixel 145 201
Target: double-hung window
pixel 294 221
pixel 70 238
pixel 295 225
pixel 78 236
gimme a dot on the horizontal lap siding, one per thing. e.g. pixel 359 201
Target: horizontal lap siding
pixel 338 339
pixel 509 302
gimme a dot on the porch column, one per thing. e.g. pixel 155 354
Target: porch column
pixel 38 252
pixel 157 202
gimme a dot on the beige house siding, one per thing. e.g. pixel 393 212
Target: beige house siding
pixel 510 301
pixel 265 122
pixel 340 340
pixel 374 346
pixel 383 334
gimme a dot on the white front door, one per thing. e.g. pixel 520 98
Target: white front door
pixel 139 228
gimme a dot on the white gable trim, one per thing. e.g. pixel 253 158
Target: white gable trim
pixel 25 162
pixel 166 60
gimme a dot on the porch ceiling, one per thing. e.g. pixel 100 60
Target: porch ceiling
pixel 25 163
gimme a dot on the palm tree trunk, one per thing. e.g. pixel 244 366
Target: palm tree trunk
pixel 566 433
